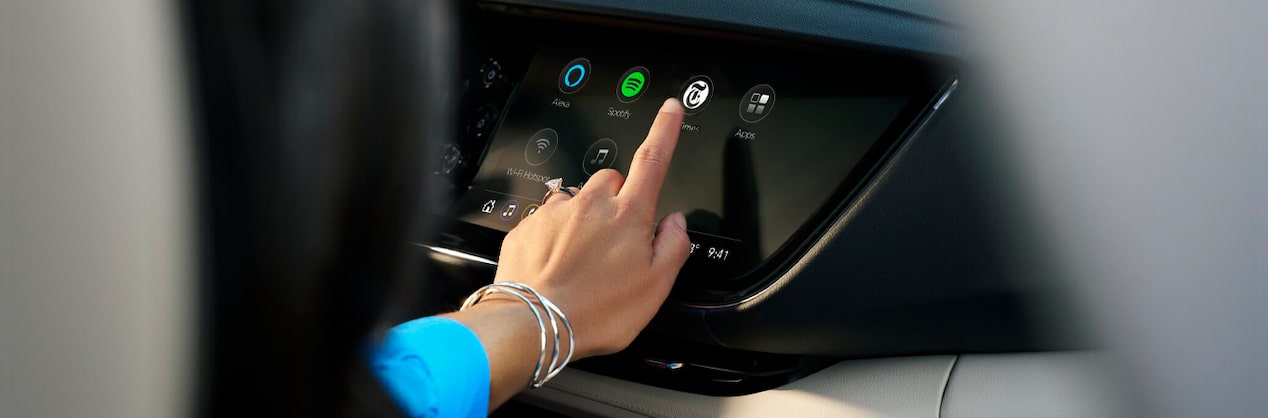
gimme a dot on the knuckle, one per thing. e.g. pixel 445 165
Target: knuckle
pixel 607 175
pixel 681 240
pixel 593 206
pixel 584 201
pixel 653 156
pixel 626 208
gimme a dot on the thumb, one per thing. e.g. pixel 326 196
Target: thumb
pixel 671 246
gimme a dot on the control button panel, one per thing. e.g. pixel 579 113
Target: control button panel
pixel 490 74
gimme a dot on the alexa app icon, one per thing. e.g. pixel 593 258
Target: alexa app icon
pixel 633 84
pixel 574 75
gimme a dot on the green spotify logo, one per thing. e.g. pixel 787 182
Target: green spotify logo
pixel 633 84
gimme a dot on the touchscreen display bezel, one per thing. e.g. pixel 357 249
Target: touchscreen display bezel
pixel 928 82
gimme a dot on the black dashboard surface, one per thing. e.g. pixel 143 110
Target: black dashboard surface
pixel 903 25
pixel 909 263
pixel 773 142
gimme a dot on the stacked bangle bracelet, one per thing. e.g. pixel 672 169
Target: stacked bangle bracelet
pixel 544 370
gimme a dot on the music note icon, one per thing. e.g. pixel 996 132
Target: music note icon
pixel 602 154
pixel 600 157
pixel 508 209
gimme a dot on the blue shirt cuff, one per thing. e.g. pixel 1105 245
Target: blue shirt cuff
pixel 435 367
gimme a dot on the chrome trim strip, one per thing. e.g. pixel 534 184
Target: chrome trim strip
pixel 459 254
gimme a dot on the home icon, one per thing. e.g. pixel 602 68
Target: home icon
pixel 488 206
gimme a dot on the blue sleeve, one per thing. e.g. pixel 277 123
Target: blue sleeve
pixel 434 367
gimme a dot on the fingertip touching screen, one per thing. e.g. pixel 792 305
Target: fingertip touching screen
pixel 774 141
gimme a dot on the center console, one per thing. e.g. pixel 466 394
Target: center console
pixel 778 139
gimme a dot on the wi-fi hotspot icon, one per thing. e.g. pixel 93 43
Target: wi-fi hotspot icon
pixel 541 146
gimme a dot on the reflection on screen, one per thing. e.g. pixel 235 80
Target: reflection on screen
pixel 763 147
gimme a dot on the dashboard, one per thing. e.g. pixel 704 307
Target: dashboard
pixel 832 213
pixel 765 155
pixel 238 179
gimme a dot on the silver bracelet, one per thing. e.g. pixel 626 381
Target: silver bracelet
pixel 541 325
pixel 554 316
pixel 572 342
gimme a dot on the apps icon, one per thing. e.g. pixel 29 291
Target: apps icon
pixel 757 103
pixel 601 155
pixel 696 93
pixel 574 75
pixel 633 84
pixel 541 146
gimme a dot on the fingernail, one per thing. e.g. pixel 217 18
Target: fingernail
pixel 679 220
pixel 671 104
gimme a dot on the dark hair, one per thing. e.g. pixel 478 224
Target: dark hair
pixel 313 122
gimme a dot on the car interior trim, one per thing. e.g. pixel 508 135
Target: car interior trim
pixel 458 254
pixel 1073 383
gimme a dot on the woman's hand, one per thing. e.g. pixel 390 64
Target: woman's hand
pixel 599 255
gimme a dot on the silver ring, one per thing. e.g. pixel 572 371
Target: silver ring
pixel 556 185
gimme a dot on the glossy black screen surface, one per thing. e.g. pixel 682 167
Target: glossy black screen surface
pixel 782 138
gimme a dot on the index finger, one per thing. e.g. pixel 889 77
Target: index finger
pixel 651 161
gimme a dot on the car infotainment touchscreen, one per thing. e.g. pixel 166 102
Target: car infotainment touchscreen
pixel 769 138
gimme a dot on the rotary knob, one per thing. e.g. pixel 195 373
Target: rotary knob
pixel 450 158
pixel 490 74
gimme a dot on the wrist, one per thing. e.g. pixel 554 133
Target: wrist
pixel 522 312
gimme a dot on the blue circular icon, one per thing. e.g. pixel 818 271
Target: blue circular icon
pixel 574 75
pixel 568 81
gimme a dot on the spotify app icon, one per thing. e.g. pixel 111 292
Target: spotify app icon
pixel 633 84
